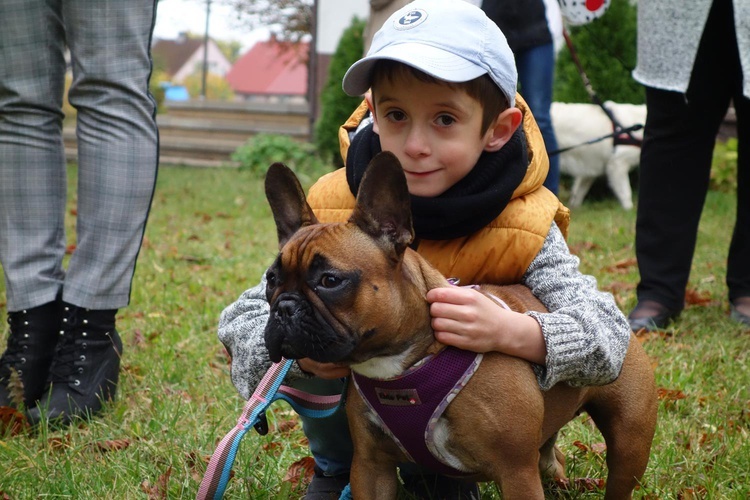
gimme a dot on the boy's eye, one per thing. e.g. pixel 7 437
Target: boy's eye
pixel 445 120
pixel 396 116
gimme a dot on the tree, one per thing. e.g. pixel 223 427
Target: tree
pixel 607 50
pixel 336 106
pixel 289 20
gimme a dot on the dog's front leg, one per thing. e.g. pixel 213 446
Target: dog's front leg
pixel 373 480
pixel 373 475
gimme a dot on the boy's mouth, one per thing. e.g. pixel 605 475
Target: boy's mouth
pixel 419 174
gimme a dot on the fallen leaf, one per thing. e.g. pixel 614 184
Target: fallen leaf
pixel 111 445
pixel 581 446
pixel 286 426
pixel 669 394
pixel 59 443
pixel 581 484
pixel 696 298
pixel 300 473
pixel 159 490
pixel 599 448
pixel 692 493
pixel 583 246
pixel 12 421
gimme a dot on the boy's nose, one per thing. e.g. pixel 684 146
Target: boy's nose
pixel 417 143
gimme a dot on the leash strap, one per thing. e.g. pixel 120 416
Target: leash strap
pixel 269 389
pixel 614 134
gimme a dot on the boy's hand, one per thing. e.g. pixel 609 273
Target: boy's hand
pixel 467 319
pixel 328 371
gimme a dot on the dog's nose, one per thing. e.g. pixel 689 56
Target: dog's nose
pixel 286 307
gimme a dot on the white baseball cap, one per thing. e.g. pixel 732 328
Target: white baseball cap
pixel 451 40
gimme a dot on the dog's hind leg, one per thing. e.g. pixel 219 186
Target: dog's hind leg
pixel 581 186
pixel 551 460
pixel 627 419
pixel 618 168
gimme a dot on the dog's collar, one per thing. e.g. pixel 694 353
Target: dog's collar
pixel 409 406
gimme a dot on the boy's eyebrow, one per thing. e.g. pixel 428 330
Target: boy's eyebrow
pixel 384 99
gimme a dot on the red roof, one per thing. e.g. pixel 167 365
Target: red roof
pixel 272 67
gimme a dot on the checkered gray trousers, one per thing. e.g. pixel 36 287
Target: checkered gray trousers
pixel 109 41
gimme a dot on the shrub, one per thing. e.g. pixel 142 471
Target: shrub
pixel 217 88
pixel 264 149
pixel 724 166
pixel 336 106
pixel 606 48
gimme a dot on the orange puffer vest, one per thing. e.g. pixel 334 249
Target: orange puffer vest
pixel 500 252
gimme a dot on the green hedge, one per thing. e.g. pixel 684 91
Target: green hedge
pixel 606 48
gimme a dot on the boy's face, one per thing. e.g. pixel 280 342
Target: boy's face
pixel 433 130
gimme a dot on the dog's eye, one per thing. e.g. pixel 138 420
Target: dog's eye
pixel 270 279
pixel 329 281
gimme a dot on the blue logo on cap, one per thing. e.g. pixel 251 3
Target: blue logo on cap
pixel 410 20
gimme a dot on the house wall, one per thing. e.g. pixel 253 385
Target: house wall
pixel 334 16
pixel 218 64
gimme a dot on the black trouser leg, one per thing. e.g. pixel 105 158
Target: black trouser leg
pixel 676 159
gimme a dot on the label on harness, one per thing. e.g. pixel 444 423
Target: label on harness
pixel 398 397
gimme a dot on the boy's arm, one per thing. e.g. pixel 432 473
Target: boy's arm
pixel 241 327
pixel 585 332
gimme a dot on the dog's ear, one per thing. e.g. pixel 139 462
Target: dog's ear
pixel 383 207
pixel 288 203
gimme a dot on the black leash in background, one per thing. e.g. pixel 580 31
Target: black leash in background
pixel 627 131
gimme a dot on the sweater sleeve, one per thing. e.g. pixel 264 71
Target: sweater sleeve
pixel 241 328
pixel 586 334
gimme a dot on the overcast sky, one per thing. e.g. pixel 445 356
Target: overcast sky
pixel 175 16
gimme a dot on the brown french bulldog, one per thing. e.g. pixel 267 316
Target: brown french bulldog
pixel 354 293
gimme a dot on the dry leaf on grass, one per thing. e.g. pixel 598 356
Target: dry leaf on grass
pixel 692 493
pixel 110 445
pixel 696 298
pixel 665 394
pixel 12 421
pixel 159 490
pixel 583 246
pixel 581 484
pixel 622 266
pixel 300 473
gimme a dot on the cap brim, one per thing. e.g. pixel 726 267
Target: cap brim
pixel 434 61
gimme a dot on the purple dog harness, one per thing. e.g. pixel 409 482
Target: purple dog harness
pixel 410 405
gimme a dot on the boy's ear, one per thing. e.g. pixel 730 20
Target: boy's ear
pixel 371 107
pixel 502 129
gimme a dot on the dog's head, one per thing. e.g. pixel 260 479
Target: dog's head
pixel 340 292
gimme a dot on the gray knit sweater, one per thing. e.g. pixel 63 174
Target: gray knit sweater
pixel 669 32
pixel 586 334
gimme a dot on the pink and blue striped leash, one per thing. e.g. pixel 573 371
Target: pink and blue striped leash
pixel 269 389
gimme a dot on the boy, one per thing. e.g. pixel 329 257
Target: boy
pixel 443 100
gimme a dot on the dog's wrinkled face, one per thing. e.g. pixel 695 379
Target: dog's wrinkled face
pixel 311 299
pixel 331 288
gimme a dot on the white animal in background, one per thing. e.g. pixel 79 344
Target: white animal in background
pixel 576 123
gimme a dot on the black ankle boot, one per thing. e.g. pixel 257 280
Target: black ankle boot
pixel 31 344
pixel 85 368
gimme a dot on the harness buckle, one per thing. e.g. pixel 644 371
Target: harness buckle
pixel 262 424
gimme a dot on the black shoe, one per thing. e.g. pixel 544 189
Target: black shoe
pixel 323 487
pixel 31 344
pixel 438 487
pixel 85 368
pixel 649 315
pixel 734 312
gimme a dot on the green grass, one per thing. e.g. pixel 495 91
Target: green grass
pixel 210 236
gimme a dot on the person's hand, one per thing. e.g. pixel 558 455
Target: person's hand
pixel 467 319
pixel 328 371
